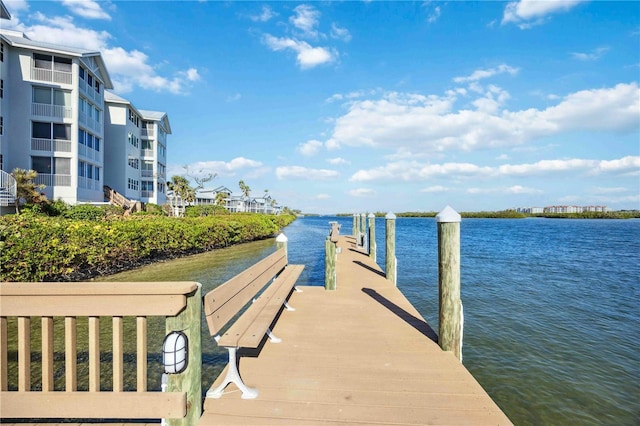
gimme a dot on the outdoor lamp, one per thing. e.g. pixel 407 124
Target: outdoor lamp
pixel 175 351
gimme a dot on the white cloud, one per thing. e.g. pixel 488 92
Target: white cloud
pixel 298 172
pixel 409 171
pixel 306 19
pixel 418 123
pixel 234 98
pixel 127 68
pixel 340 33
pixel 594 55
pixel 514 190
pixel 362 192
pixel 307 55
pixel 478 75
pixel 435 189
pixel 527 13
pixel 89 9
pixel 434 15
pixel 266 15
pixel 310 148
pixel 220 168
pixel 323 197
pixel 338 160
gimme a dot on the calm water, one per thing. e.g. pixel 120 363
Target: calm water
pixel 552 313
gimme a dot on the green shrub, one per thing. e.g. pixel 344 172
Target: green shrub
pixel 40 248
pixel 85 212
pixel 205 210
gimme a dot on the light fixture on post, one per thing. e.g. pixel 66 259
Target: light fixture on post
pixel 175 352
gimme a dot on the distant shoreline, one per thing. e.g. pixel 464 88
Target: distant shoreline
pixel 512 214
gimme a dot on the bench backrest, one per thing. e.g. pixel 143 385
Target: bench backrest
pixel 223 303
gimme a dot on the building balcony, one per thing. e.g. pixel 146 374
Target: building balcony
pixel 50 145
pixel 90 92
pixel 54 111
pixel 51 76
pixel 147 173
pixel 89 183
pixel 146 194
pixel 49 180
pixel 148 133
pixel 89 122
pixel 89 153
pixel 147 153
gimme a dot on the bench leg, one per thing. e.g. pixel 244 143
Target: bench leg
pixel 233 376
pixel 288 307
pixel 272 337
pixel 297 290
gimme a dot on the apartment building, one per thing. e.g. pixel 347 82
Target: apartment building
pixel 52 115
pixel 136 151
pixel 57 118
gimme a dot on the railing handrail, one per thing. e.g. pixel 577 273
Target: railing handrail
pixel 179 302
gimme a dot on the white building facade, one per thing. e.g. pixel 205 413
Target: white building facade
pixel 52 115
pixel 136 153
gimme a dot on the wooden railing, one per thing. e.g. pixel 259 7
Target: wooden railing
pixel 21 303
pixel 115 198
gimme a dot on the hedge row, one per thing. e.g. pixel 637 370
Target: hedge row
pixel 39 248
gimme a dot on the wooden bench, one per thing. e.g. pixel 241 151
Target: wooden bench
pixel 221 305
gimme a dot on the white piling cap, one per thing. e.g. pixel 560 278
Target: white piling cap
pixel 371 215
pixel 281 238
pixel 390 216
pixel 448 215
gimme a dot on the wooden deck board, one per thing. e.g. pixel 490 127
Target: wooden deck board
pixel 358 355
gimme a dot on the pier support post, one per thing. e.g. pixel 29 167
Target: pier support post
pixel 391 261
pixel 190 381
pixel 330 264
pixel 363 218
pixel 281 242
pixel 450 317
pixel 372 237
pixel 354 228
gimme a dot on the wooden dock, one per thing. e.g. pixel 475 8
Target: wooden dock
pixel 360 354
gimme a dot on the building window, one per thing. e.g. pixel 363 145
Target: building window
pixel 42 165
pixel 1 52
pixel 49 96
pixel 97 86
pixel 1 88
pixel 1 124
pixel 133 184
pixel 134 163
pixel 146 144
pixel 147 185
pixel 40 130
pixel 133 117
pixel 81 72
pixel 49 62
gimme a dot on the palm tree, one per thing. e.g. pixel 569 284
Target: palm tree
pixel 244 188
pixel 26 188
pixel 220 197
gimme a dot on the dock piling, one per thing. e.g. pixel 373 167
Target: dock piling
pixel 449 302
pixel 372 237
pixel 391 261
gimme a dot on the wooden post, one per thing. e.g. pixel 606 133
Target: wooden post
pixel 354 229
pixel 281 242
pixel 330 265
pixel 391 263
pixel 372 237
pixel 450 318
pixel 190 381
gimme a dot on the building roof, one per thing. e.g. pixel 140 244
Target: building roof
pixel 20 40
pixel 4 13
pixel 157 116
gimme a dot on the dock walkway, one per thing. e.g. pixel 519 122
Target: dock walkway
pixel 361 354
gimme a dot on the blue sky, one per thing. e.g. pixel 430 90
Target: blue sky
pixel 380 106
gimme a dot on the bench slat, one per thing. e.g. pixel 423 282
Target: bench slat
pixel 223 303
pixel 249 330
pixel 255 333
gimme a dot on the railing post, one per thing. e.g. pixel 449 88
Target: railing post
pixel 281 242
pixel 330 265
pixel 391 262
pixel 363 229
pixel 190 381
pixel 450 317
pixel 372 237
